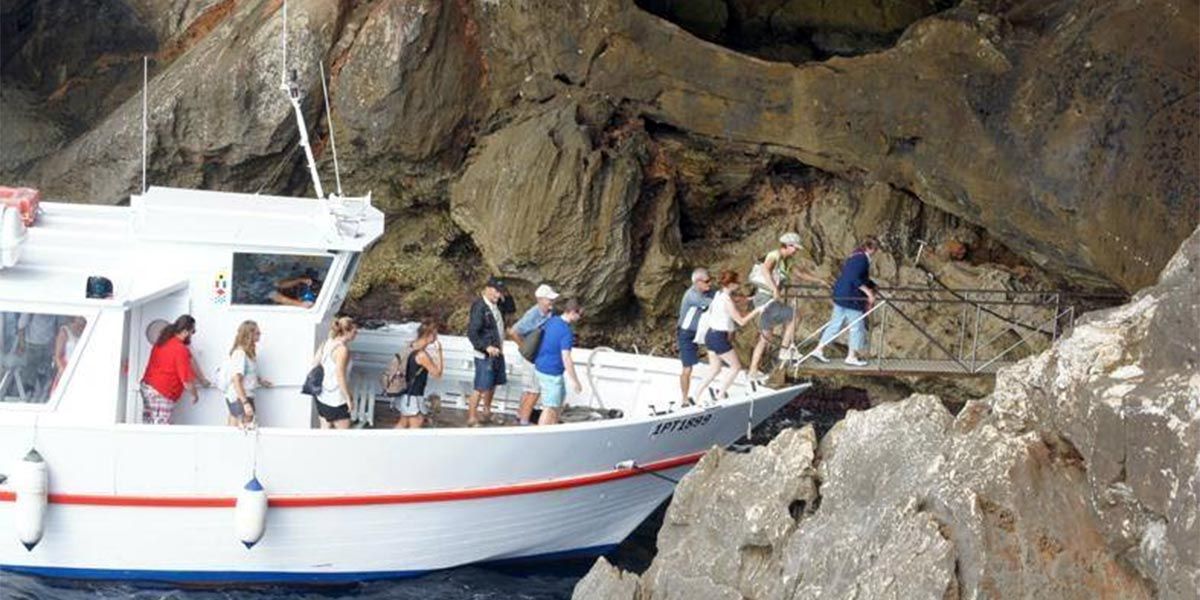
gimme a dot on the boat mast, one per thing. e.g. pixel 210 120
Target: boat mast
pixel 293 94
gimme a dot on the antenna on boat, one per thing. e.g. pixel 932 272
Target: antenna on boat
pixel 293 94
pixel 337 174
pixel 145 92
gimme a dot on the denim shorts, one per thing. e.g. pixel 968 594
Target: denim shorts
pixel 718 341
pixel 554 389
pixel 689 350
pixel 489 373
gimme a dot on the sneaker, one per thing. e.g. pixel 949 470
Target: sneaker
pixel 758 377
pixel 855 362
pixel 820 356
pixel 787 354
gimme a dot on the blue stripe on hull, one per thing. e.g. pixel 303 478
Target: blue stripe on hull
pixel 283 577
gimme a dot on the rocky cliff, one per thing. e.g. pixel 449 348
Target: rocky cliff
pixel 1079 477
pixel 601 146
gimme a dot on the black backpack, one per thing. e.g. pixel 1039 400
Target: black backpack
pixel 314 381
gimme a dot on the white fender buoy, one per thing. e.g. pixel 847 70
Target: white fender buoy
pixel 31 482
pixel 250 513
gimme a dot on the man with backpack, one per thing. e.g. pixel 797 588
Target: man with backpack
pixel 527 333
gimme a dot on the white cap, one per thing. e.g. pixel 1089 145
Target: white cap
pixel 790 239
pixel 545 291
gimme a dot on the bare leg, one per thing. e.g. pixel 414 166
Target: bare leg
pixel 685 382
pixel 487 404
pixel 528 400
pixel 323 422
pixel 789 331
pixel 759 347
pixel 549 416
pixel 735 365
pixel 472 404
pixel 341 424
pixel 714 367
pixel 416 422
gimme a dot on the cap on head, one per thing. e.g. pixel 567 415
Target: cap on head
pixel 790 238
pixel 497 284
pixel 545 291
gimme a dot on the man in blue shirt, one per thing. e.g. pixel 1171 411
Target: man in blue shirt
pixel 554 360
pixel 534 318
pixel 694 303
pixel 853 297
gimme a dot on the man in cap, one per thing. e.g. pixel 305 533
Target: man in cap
pixel 694 303
pixel 485 330
pixel 776 270
pixel 533 319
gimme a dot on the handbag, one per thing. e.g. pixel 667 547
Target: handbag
pixel 532 343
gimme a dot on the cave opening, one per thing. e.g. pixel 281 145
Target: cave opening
pixel 797 31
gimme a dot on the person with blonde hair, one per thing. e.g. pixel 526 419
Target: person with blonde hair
pixel 335 404
pixel 240 375
pixel 425 360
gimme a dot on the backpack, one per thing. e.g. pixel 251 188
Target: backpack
pixel 314 381
pixel 532 343
pixel 395 376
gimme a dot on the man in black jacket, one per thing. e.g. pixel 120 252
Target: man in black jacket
pixel 485 329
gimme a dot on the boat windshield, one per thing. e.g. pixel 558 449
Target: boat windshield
pixel 35 350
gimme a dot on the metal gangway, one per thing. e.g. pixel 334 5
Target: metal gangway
pixel 936 330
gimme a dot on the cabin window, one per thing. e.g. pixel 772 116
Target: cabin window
pixel 35 349
pixel 278 279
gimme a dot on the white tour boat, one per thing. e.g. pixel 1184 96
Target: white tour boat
pixel 167 502
pixel 89 491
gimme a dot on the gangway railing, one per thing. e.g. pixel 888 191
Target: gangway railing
pixel 962 331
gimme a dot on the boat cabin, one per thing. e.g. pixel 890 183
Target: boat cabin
pixel 72 359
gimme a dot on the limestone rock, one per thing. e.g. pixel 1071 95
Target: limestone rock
pixel 1077 478
pixel 872 536
pixel 722 537
pixel 545 202
pixel 607 582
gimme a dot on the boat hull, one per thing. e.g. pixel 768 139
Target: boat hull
pixel 156 503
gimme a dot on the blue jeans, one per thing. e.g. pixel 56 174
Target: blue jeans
pixel 842 317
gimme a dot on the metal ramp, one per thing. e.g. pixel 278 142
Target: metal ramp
pixel 958 332
pixel 894 367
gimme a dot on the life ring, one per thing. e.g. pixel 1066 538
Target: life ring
pixel 25 200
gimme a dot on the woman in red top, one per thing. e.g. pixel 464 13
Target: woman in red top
pixel 169 372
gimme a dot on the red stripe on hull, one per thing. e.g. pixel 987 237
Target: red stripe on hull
pixel 407 498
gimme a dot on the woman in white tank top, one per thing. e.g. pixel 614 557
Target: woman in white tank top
pixel 724 317
pixel 335 404
pixel 64 346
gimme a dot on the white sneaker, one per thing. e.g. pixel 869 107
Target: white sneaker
pixel 758 377
pixel 855 362
pixel 786 354
pixel 820 356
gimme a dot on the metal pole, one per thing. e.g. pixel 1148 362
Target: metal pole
pixel 962 331
pixel 145 90
pixel 975 338
pixel 882 339
pixel 1057 312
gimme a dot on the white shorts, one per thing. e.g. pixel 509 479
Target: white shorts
pixel 411 406
pixel 529 380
